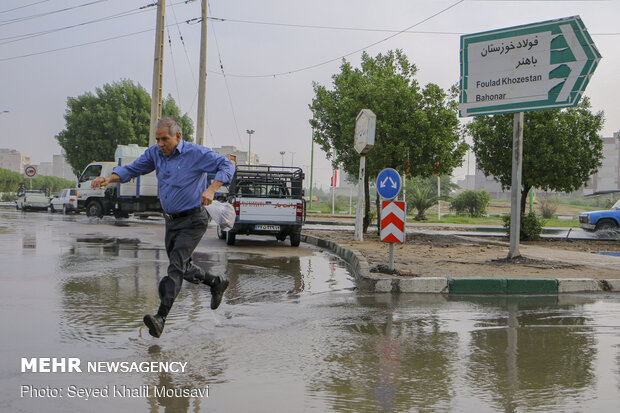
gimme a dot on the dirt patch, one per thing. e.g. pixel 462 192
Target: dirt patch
pixel 429 255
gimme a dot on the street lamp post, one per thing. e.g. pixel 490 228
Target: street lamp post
pixel 282 154
pixel 250 132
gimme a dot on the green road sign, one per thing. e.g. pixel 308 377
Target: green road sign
pixel 536 66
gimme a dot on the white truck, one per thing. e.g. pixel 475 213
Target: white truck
pixel 29 199
pixel 268 200
pixel 139 195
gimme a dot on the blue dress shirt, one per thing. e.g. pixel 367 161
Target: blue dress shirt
pixel 182 176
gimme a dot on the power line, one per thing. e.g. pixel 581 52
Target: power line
pixel 142 9
pixel 189 21
pixel 49 13
pixel 357 29
pixel 24 6
pixel 13 39
pixel 355 51
pixel 174 68
pixel 232 106
pixel 309 26
pixel 77 45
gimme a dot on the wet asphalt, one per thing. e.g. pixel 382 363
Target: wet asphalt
pixel 292 333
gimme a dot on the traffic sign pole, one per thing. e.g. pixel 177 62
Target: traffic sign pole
pixel 515 192
pixel 537 66
pixel 364 140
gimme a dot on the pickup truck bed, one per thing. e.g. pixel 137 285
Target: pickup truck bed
pixel 268 200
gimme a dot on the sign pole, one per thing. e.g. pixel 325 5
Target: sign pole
pixel 391 256
pixel 359 234
pixel 364 140
pixel 438 197
pixel 515 197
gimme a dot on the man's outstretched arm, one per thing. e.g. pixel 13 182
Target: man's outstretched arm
pixel 104 181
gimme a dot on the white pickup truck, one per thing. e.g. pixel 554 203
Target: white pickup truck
pixel 28 199
pixel 268 200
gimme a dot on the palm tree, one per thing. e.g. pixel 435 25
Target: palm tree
pixel 422 200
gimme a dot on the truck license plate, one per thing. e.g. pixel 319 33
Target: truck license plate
pixel 267 227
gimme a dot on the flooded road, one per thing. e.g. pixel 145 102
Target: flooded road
pixel 291 335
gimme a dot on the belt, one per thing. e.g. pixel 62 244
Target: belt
pixel 183 213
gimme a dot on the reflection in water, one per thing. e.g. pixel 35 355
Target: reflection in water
pixel 29 241
pixel 519 354
pixel 210 367
pixel 110 283
pixel 388 362
pixel 532 359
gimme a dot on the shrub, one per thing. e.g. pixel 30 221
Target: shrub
pixel 548 206
pixel 473 203
pixel 531 226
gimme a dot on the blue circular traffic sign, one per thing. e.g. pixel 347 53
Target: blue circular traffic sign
pixel 388 183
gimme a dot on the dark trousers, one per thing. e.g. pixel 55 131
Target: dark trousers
pixel 182 236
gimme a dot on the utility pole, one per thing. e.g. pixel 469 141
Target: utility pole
pixel 311 166
pixel 202 81
pixel 282 154
pixel 250 132
pixel 158 69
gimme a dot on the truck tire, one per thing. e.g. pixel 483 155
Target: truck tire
pixel 606 224
pixel 230 238
pixel 220 234
pixel 94 209
pixel 295 239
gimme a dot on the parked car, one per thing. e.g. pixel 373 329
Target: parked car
pixel 65 201
pixel 28 199
pixel 601 220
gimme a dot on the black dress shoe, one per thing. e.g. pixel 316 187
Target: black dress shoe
pixel 217 291
pixel 155 323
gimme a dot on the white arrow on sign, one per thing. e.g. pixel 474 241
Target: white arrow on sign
pixel 394 185
pixel 575 67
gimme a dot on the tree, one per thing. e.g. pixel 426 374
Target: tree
pixel 9 181
pixel 422 200
pixel 117 114
pixel 561 148
pixel 427 186
pixel 415 128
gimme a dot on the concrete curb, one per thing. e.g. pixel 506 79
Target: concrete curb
pixel 383 283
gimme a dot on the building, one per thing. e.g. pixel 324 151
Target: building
pixel 61 169
pixel 606 179
pixel 46 168
pixel 16 161
pixel 608 176
pixel 242 156
pixel 13 160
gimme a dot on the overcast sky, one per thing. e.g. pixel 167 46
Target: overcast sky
pixel 270 50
